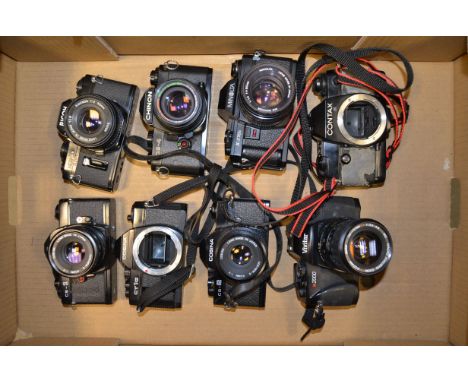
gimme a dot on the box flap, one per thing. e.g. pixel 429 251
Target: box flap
pixel 419 48
pixel 67 341
pixel 459 297
pixel 57 48
pixel 8 317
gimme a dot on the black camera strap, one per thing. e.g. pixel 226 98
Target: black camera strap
pixel 215 184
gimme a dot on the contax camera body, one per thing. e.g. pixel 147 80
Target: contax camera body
pixel 257 104
pixel 235 253
pixel 177 108
pixel 80 251
pixel 153 249
pixel 94 126
pixel 336 249
pixel 351 127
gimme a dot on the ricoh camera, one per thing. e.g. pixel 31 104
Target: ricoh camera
pixel 257 104
pixel 351 126
pixel 177 110
pixel 335 251
pixel 80 251
pixel 94 126
pixel 236 253
pixel 152 250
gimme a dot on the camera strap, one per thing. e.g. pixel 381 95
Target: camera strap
pixel 215 184
pixel 314 318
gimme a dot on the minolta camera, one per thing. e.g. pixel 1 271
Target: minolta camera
pixel 257 105
pixel 93 127
pixel 152 250
pixel 81 251
pixel 351 126
pixel 177 109
pixel 336 249
pixel 236 252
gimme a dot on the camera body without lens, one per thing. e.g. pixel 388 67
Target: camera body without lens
pixel 236 252
pixel 350 126
pixel 177 108
pixel 257 104
pixel 94 126
pixel 80 251
pixel 336 249
pixel 153 249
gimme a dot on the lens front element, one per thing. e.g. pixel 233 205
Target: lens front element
pixel 75 253
pixel 177 104
pixel 241 254
pixel 267 94
pixel 91 121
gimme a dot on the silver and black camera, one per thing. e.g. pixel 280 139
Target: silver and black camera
pixel 81 251
pixel 237 252
pixel 153 249
pixel 351 126
pixel 257 104
pixel 94 126
pixel 177 109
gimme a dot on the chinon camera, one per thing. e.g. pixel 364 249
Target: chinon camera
pixel 257 105
pixel 351 126
pixel 236 253
pixel 177 109
pixel 335 251
pixel 152 250
pixel 80 251
pixel 94 126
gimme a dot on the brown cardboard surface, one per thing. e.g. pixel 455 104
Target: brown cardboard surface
pixel 125 45
pixel 459 296
pixel 64 341
pixel 7 170
pixel 419 48
pixel 411 302
pixel 55 48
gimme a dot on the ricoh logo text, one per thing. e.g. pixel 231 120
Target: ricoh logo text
pixel 62 115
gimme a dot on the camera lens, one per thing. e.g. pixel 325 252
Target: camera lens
pixel 179 106
pixel 267 94
pixel 157 250
pixel 240 256
pixel 75 251
pixel 362 246
pixel 93 122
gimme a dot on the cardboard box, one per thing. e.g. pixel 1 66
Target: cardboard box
pixel 423 297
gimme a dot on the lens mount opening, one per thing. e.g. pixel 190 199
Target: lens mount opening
pixel 92 122
pixel 157 250
pixel 362 119
pixel 179 106
pixel 267 93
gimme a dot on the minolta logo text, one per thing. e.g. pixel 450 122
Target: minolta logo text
pixel 62 116
pixel 211 251
pixel 149 106
pixel 231 94
pixel 329 117
pixel 305 244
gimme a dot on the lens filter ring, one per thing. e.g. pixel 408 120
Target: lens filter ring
pixel 368 247
pixel 93 122
pixel 267 93
pixel 173 235
pixel 179 106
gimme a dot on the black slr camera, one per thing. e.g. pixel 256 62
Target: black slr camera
pixel 178 108
pixel 336 249
pixel 236 252
pixel 81 251
pixel 351 126
pixel 153 249
pixel 94 126
pixel 257 105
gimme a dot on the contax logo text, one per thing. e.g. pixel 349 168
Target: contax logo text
pixel 329 125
